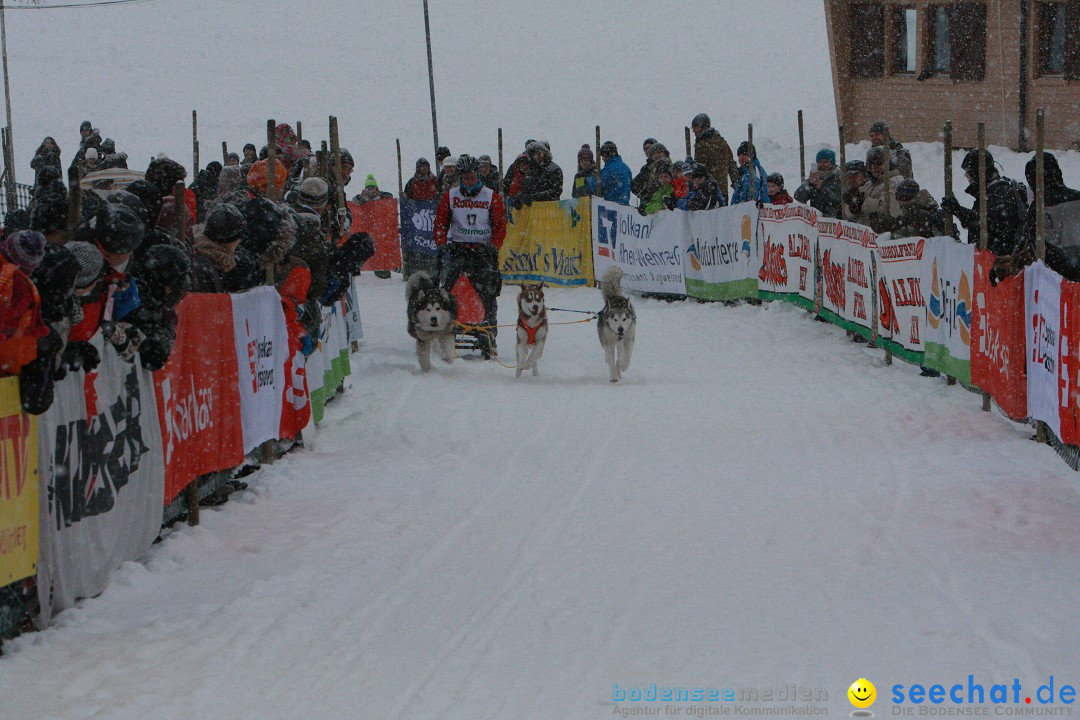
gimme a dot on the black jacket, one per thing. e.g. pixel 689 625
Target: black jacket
pixel 824 199
pixel 1004 218
pixel 542 183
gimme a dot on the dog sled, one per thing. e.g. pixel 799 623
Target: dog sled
pixel 470 314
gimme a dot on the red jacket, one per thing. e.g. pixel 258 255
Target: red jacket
pixel 498 220
pixel 20 319
pixel 424 190
pixel 782 199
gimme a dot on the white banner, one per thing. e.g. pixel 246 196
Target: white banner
pixel 948 272
pixel 102 479
pixel 648 249
pixel 901 306
pixel 262 349
pixel 847 271
pixel 353 326
pixel 787 235
pixel 722 259
pixel 1042 303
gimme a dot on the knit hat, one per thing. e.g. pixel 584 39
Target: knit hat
pixel 825 154
pixel 854 167
pixel 744 149
pixel 701 120
pixel 85 125
pixel 585 152
pixel 875 155
pixel 91 155
pixel 258 176
pixel 90 260
pixel 165 173
pixel 658 147
pixel 878 126
pixel 907 190
pixel 449 162
pixel 25 248
pixel 663 166
pixel 442 153
pixel 370 182
pixel 226 223
pixel 775 178
pixel 314 192
pixel 699 171
pixel 608 149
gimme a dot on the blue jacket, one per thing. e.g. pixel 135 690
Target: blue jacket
pixel 615 180
pixel 742 192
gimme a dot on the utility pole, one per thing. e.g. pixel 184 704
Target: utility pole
pixel 9 154
pixel 431 84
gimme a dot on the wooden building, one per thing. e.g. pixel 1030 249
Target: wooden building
pixel 918 63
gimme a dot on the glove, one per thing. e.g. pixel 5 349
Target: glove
pixel 50 344
pixel 126 338
pixel 344 219
pixel 79 356
pixel 641 210
pixel 760 204
pixel 671 202
pixel 515 202
pixel 950 205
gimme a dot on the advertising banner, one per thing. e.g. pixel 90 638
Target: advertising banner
pixel 262 350
pixel 648 249
pixel 329 364
pixel 998 339
pixel 846 252
pixel 722 261
pixel 102 478
pixel 379 218
pixel 18 486
pixel 787 235
pixel 901 307
pixel 549 242
pixel 418 226
pixel 198 395
pixel 948 269
pixel 1052 355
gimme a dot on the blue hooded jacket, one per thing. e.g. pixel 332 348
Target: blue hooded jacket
pixel 615 180
pixel 742 192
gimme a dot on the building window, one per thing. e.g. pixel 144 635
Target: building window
pixel 940 45
pixel 956 40
pixel 1059 38
pixel 903 28
pixel 867 40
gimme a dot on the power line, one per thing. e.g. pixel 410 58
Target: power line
pixel 74 5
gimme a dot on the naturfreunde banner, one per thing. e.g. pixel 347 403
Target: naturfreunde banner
pixel 102 479
pixel 901 308
pixel 549 242
pixel 18 486
pixel 1051 335
pixel 262 350
pixel 648 249
pixel 947 272
pixel 329 364
pixel 787 235
pixel 846 252
pixel 722 259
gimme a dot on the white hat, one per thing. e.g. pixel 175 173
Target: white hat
pixel 450 161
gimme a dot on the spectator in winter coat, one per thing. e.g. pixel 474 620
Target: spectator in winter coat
pixel 1005 210
pixel 55 279
pixel 271 234
pixel 585 179
pixel 47 155
pixel 515 178
pixel 91 138
pixel 855 177
pixel 205 188
pixel 231 190
pixel 880 207
pixel 615 177
pixel 704 192
pixel 258 177
pixel 920 215
pixel 21 326
pixel 713 151
pixel 232 159
pixel 489 174
pixel 543 178
pixel 251 155
pixel 664 195
pixel 743 192
pixel 774 185
pixel 900 157
pixel 371 192
pixel 637 184
pixel 822 189
pixel 110 158
pixel 423 185
pixel 49 208
pixel 448 175
pixel 164 278
pixel 215 248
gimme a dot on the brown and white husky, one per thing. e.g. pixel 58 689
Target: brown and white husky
pixel 532 328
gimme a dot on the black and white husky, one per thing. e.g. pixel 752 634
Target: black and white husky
pixel 616 323
pixel 432 313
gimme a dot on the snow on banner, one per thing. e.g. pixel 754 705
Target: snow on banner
pixel 102 478
pixel 549 242
pixel 787 235
pixel 648 249
pixel 998 339
pixel 721 261
pixel 198 394
pixel 418 227
pixel 1052 360
pixel 947 271
pixel 262 351
pixel 378 218
pixel 901 307
pixel 18 486
pixel 846 255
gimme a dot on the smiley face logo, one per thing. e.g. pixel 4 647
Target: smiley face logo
pixel 862 693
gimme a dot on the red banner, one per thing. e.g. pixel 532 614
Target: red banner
pixel 998 364
pixel 198 396
pixel 379 218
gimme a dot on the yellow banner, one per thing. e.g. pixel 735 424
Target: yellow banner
pixel 18 486
pixel 549 241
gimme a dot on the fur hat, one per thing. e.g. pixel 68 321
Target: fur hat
pixel 314 192
pixel 25 248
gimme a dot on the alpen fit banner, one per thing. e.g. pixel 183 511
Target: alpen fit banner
pixel 787 235
pixel 648 249
pixel 549 242
pixel 102 479
pixel 846 256
pixel 722 260
pixel 18 486
pixel 901 307
pixel 262 351
pixel 198 396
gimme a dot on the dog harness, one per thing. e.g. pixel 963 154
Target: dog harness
pixel 531 331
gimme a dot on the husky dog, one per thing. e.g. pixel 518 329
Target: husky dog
pixel 532 328
pixel 616 323
pixel 432 312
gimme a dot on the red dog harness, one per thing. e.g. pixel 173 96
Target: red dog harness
pixel 531 331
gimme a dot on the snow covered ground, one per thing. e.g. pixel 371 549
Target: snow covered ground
pixel 759 503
